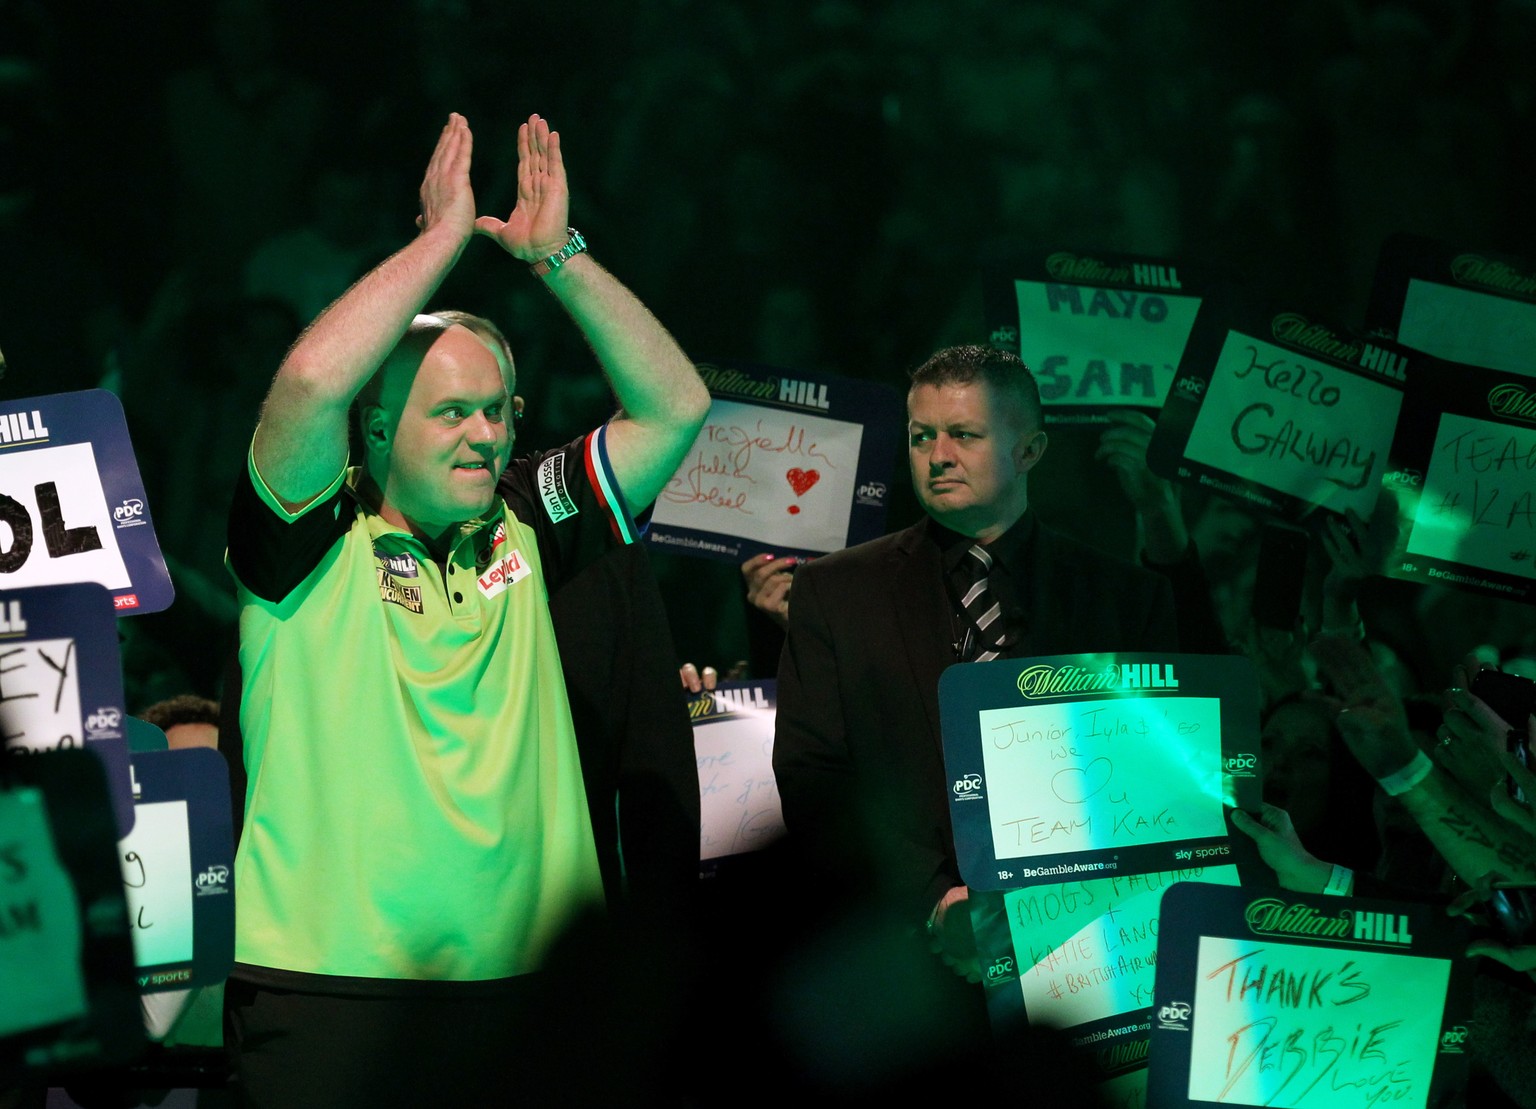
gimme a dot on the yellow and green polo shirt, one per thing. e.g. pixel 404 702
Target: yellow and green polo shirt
pixel 414 806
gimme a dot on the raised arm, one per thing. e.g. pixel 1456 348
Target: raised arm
pixel 301 442
pixel 663 400
pixel 1465 829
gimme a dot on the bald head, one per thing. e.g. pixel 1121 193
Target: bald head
pixel 386 391
pixel 436 427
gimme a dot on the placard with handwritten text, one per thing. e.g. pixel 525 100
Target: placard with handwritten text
pixel 739 809
pixel 61 680
pixel 178 870
pixel 788 462
pixel 41 977
pixel 1279 999
pixel 1286 414
pixel 1076 766
pixel 1463 474
pixel 1468 306
pixel 72 501
pixel 85 924
pixel 1081 956
pixel 1099 331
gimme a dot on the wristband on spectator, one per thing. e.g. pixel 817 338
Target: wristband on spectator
pixel 1401 781
pixel 951 895
pixel 1340 882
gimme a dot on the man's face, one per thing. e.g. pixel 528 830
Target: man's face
pixel 969 456
pixel 439 462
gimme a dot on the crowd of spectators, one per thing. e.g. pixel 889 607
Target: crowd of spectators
pixel 809 185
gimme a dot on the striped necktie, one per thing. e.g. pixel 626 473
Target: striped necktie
pixel 979 608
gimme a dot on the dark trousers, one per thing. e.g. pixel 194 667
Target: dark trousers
pixel 307 1049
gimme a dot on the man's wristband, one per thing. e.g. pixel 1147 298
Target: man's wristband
pixel 1401 781
pixel 1340 882
pixel 575 245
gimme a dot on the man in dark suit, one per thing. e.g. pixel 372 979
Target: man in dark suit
pixel 857 753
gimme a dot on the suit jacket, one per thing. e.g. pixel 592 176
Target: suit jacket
pixel 857 751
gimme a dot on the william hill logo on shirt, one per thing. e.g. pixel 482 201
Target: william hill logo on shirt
pixel 503 572
pixel 401 565
pixel 392 567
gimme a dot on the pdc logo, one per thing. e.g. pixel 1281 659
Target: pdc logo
pixel 1411 478
pixel 872 492
pixel 1175 1014
pixel 1453 1040
pixel 129 514
pixel 1241 765
pixel 213 880
pixel 104 721
pixel 1191 386
pixel 968 788
pixel 1001 969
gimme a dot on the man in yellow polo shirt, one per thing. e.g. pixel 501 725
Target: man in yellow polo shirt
pixel 416 828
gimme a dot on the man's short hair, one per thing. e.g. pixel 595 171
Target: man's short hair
pixel 1005 373
pixel 186 708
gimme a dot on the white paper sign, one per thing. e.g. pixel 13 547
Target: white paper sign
pixel 1102 346
pixel 1101 774
pixel 1478 507
pixel 66 479
pixel 156 859
pixel 41 981
pixel 1471 327
pixel 1288 1025
pixel 40 695
pixel 739 808
pixel 777 477
pixel 1296 425
pixel 1089 949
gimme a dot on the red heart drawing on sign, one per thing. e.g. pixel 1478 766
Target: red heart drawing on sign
pixel 801 480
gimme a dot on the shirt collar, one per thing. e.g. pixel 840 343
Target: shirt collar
pixel 378 527
pixel 1009 550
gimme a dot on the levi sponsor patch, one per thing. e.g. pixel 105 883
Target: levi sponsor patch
pixel 552 491
pixel 502 572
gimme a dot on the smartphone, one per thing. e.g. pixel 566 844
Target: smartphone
pixel 1509 695
pixel 1509 907
pixel 1281 573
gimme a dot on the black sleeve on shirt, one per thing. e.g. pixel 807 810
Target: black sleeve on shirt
pixel 553 493
pixel 272 555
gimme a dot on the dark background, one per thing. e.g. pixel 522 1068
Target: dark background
pixel 803 184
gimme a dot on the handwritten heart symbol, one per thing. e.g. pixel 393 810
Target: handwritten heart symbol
pixel 801 480
pixel 1076 784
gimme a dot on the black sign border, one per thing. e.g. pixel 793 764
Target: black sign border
pixel 95 416
pixel 877 406
pixel 1001 311
pixel 966 686
pixel 1192 910
pixel 1167 453
pixel 82 611
pixel 200 777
